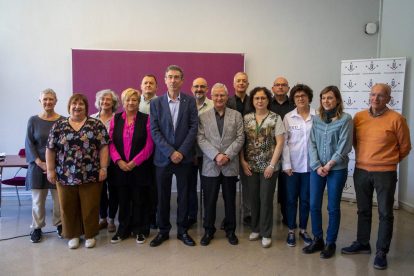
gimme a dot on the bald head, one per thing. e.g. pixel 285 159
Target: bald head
pixel 382 87
pixel 199 88
pixel 280 88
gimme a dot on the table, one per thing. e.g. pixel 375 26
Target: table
pixel 12 161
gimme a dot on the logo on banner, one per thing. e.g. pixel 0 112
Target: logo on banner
pixel 394 65
pixel 393 102
pixel 349 102
pixel 371 66
pixel 393 84
pixel 350 84
pixel 370 84
pixel 368 103
pixel 351 67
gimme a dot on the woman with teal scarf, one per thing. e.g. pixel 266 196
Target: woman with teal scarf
pixel 330 143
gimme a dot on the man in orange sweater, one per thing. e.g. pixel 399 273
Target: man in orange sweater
pixel 381 141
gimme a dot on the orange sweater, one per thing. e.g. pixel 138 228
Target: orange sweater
pixel 380 143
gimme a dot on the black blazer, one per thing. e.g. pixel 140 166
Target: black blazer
pixel 231 103
pixel 140 175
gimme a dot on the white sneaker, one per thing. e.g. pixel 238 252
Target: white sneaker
pixel 266 242
pixel 254 236
pixel 73 243
pixel 90 243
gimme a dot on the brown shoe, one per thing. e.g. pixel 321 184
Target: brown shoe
pixel 111 225
pixel 103 224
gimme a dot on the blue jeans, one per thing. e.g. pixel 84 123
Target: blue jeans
pixel 336 181
pixel 297 185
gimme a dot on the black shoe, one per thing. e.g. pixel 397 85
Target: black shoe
pixel 187 240
pixel 232 238
pixel 192 222
pixel 205 240
pixel 59 231
pixel 357 248
pixel 153 222
pixel 158 240
pixel 248 221
pixel 380 261
pixel 36 235
pixel 328 251
pixel 316 245
pixel 222 224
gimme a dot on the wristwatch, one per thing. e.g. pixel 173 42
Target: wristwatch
pixel 104 169
pixel 330 164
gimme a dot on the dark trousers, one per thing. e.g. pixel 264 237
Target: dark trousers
pixel 262 192
pixel 281 192
pixel 193 199
pixel 153 193
pixel 133 210
pixel 211 186
pixel 384 184
pixel 164 180
pixel 109 199
pixel 297 187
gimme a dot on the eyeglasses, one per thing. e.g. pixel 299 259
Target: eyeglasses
pixel 280 84
pixel 381 96
pixel 259 98
pixel 303 96
pixel 219 95
pixel 199 86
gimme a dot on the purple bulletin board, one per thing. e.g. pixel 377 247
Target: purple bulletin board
pixel 95 70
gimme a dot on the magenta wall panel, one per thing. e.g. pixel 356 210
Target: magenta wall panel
pixel 95 70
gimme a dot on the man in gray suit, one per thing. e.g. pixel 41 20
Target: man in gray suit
pixel 220 137
pixel 240 102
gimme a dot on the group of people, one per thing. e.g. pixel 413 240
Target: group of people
pixel 125 162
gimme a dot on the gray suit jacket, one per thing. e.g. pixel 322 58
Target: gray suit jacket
pixel 211 143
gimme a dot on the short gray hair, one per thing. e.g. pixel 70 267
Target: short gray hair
pixel 174 68
pixel 114 96
pixel 48 91
pixel 219 85
pixel 241 73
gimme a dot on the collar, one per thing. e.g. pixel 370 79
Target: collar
pixel 217 113
pixel 178 98
pixel 205 103
pixel 294 112
pixel 145 100
pixel 379 114
pixel 124 115
pixel 285 102
pixel 238 98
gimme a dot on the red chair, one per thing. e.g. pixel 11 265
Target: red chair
pixel 16 180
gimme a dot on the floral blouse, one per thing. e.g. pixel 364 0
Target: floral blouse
pixel 77 157
pixel 261 140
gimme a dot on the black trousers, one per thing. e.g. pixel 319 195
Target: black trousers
pixel 281 192
pixel 164 181
pixel 211 186
pixel 109 198
pixel 153 193
pixel 384 184
pixel 133 210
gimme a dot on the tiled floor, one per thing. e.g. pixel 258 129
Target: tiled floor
pixel 53 257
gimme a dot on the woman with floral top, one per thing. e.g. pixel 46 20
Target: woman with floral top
pixel 76 160
pixel 330 143
pixel 260 161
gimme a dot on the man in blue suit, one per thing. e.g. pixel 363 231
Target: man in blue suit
pixel 174 126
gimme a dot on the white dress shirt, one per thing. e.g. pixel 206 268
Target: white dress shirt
pixel 295 155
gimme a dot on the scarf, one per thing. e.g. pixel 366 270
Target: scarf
pixel 329 114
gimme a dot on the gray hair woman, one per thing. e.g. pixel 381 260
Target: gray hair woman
pixel 38 128
pixel 108 103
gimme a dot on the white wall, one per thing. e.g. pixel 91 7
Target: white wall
pixel 397 40
pixel 301 40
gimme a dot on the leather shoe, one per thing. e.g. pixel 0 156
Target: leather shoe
pixel 328 251
pixel 187 240
pixel 232 238
pixel 158 240
pixel 316 245
pixel 205 240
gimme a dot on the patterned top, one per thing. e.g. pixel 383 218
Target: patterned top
pixel 77 158
pixel 260 146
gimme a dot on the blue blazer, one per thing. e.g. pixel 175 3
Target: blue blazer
pixel 162 130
